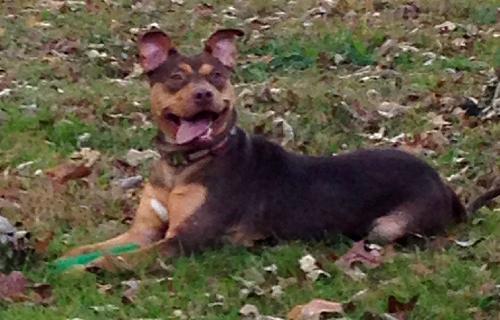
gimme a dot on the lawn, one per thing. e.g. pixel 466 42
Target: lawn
pixel 320 77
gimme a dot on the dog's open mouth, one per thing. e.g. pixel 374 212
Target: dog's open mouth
pixel 198 126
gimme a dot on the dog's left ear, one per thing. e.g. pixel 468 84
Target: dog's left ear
pixel 154 48
pixel 222 46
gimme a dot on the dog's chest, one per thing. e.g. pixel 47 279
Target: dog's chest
pixel 182 197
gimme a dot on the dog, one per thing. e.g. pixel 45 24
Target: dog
pixel 215 183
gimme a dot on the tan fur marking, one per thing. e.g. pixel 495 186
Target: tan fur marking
pixel 186 68
pixel 183 202
pixel 205 69
pixel 239 236
pixel 162 175
pixel 389 228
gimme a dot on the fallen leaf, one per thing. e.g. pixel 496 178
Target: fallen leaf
pixel 391 109
pixel 251 312
pixel 460 43
pixel 401 310
pixel 425 143
pixel 276 291
pixel 387 47
pixel 204 9
pixel 43 293
pixel 105 308
pixel 68 171
pixel 468 243
pixel 408 11
pixel 130 182
pixel 13 287
pixel 315 309
pixel 251 287
pixel 93 6
pixel 104 288
pixel 359 254
pixel 10 193
pixel 41 245
pixel 80 167
pixel 438 121
pixel 130 294
pixel 135 157
pixel 309 266
pixel 446 27
pixel 286 133
pixel 87 156
pixel 64 46
pixel 420 269
pixel 271 269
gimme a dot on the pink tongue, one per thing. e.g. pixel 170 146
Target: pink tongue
pixel 189 130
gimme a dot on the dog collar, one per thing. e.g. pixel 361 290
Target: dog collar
pixel 182 158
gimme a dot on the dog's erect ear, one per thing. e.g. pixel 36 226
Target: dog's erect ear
pixel 222 45
pixel 154 48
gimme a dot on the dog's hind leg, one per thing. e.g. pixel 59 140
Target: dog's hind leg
pixel 430 214
pixel 389 228
pixel 149 225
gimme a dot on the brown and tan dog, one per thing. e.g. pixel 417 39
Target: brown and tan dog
pixel 214 182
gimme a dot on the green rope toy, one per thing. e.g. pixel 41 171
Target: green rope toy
pixel 65 264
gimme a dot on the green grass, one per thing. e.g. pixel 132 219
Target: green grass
pixel 56 99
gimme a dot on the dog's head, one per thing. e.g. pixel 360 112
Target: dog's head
pixel 192 99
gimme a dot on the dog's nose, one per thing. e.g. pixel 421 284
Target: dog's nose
pixel 203 97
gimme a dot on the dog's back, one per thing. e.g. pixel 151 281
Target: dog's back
pixel 276 193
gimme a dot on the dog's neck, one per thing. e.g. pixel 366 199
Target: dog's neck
pixel 178 156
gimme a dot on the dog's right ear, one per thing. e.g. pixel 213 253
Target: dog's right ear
pixel 154 48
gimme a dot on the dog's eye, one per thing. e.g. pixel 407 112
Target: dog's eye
pixel 217 78
pixel 176 77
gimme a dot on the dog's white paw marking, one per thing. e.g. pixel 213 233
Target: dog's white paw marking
pixel 160 210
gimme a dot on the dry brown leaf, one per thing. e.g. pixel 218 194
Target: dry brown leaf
pixel 68 171
pixel 408 11
pixel 438 121
pixel 13 287
pixel 65 46
pixel 204 10
pixel 10 193
pixel 42 244
pixel 93 6
pixel 420 269
pixel 389 109
pixel 359 254
pixel 315 309
pixel 424 143
pixel 104 288
pixel 401 310
pixel 43 293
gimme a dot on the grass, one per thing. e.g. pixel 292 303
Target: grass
pixel 57 98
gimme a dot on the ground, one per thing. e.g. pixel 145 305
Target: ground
pixel 338 75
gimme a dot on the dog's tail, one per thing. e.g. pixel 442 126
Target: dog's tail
pixel 482 200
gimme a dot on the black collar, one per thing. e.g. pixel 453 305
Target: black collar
pixel 177 156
